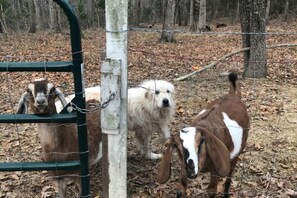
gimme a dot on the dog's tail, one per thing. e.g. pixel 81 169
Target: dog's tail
pixel 234 84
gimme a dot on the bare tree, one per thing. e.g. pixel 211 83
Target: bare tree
pixel 267 11
pixel 90 13
pixel 32 26
pixel 286 11
pixel 244 10
pixel 193 25
pixel 3 26
pixel 52 15
pixel 37 9
pixel 237 11
pixel 168 24
pixel 202 16
pixel 183 12
pixel 254 27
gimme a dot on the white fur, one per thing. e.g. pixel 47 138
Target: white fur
pixel 236 133
pixel 99 156
pixel 147 113
pixel 91 93
pixel 203 110
pixel 188 136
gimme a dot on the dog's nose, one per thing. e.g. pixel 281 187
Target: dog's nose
pixel 165 102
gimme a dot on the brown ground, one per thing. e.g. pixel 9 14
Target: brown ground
pixel 268 166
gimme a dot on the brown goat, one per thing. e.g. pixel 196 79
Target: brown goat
pixel 212 143
pixel 59 141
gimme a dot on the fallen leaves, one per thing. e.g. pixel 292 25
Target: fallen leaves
pixel 266 169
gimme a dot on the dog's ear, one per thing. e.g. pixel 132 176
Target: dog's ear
pixel 148 94
pixel 217 151
pixel 164 171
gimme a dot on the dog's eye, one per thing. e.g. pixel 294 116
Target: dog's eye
pixel 168 91
pixel 157 92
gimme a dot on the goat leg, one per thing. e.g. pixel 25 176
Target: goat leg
pixel 228 179
pixel 62 185
pixel 182 185
pixel 213 183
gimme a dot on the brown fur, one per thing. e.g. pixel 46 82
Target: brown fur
pixel 59 141
pixel 214 156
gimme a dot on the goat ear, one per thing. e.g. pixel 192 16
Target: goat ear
pixel 22 107
pixel 218 152
pixel 61 97
pixel 164 171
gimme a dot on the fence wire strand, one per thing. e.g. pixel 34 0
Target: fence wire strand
pixel 268 176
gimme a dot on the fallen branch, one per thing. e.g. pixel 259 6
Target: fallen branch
pixel 211 65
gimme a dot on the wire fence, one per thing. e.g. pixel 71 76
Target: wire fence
pixel 266 168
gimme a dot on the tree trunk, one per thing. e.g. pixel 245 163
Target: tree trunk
pixel 286 10
pixel 193 26
pixel 90 13
pixel 3 26
pixel 168 24
pixel 32 27
pixel 154 12
pixel 244 10
pixel 52 15
pixel 267 11
pixel 184 12
pixel 227 10
pixel 237 11
pixel 38 21
pixel 138 11
pixel 202 16
pixel 257 67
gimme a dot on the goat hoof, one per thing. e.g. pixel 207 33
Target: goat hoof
pixel 178 194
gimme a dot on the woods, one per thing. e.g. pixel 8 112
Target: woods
pixel 195 15
pixel 28 15
pixel 231 29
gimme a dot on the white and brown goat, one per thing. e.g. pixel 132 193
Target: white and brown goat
pixel 60 141
pixel 212 143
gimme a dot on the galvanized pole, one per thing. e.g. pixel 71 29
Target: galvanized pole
pixel 114 116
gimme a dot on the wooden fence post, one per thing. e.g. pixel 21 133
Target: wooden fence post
pixel 114 116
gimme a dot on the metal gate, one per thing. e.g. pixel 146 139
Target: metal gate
pixel 76 67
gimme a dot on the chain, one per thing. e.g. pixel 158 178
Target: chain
pixel 94 107
pixel 105 104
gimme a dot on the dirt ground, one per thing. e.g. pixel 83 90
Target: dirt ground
pixel 268 166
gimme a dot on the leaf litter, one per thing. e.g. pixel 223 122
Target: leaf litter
pixel 267 168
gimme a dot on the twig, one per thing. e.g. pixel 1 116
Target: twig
pixel 211 65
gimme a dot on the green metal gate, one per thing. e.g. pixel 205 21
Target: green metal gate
pixel 75 66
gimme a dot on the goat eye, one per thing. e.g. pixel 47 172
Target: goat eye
pixel 29 91
pixel 157 92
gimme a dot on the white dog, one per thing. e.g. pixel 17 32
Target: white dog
pixel 151 107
